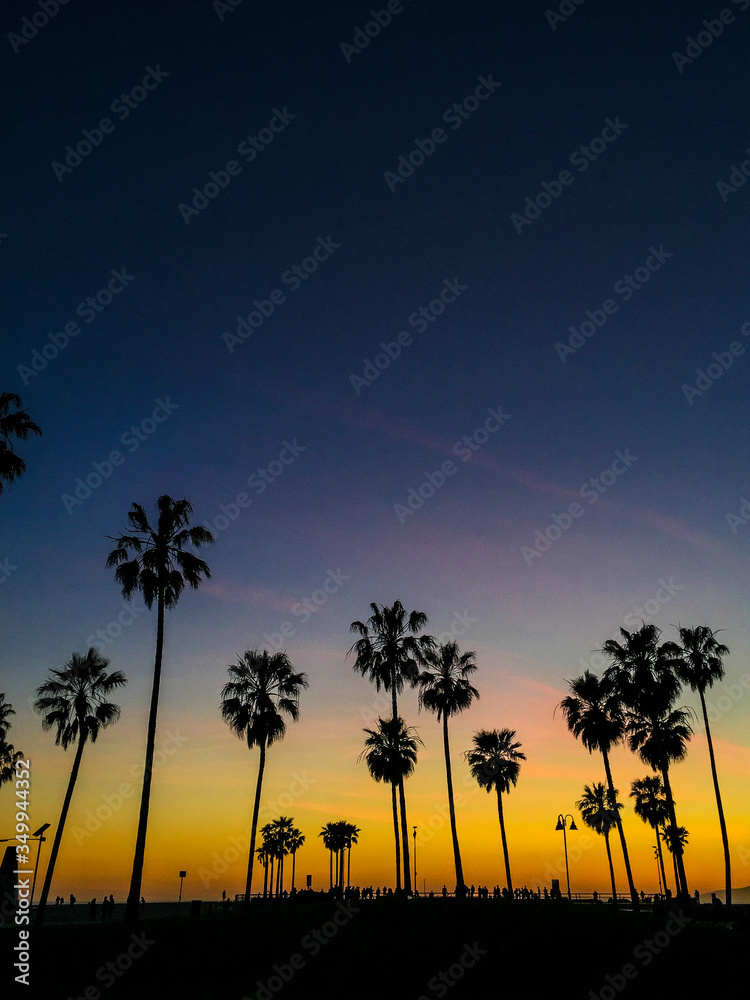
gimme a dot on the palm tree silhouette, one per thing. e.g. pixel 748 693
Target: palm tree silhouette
pixel 329 833
pixel 296 840
pixel 74 701
pixel 263 855
pixel 445 689
pixel 13 424
pixel 351 835
pixel 282 828
pixel 675 837
pixel 594 714
pixel 154 562
pixel 700 667
pixel 8 753
pixel 262 688
pixel 495 762
pixel 646 679
pixel 388 652
pixel 597 809
pixel 391 755
pixel 6 710
pixel 651 806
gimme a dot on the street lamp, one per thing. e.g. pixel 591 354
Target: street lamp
pixel 182 876
pixel 416 890
pixel 37 833
pixel 561 825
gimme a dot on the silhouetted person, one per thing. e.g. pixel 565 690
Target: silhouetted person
pixel 697 896
pixel 92 910
pixel 596 896
pixel 72 900
pixel 715 901
pixel 444 892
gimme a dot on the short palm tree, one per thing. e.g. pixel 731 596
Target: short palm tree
pixel 351 836
pixel 263 855
pixel 598 809
pixel 651 806
pixel 8 753
pixel 261 690
pixel 676 838
pixel 296 840
pixel 74 702
pixel 155 563
pixel 594 714
pixel 329 833
pixel 391 755
pixel 701 667
pixel 446 690
pixel 495 762
pixel 390 652
pixel 14 423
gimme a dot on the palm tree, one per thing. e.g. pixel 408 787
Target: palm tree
pixel 700 667
pixel 74 701
pixel 15 424
pixel 262 688
pixel 660 738
pixel 282 828
pixel 594 714
pixel 352 833
pixel 269 847
pixel 446 690
pixel 154 562
pixel 391 755
pixel 329 834
pixel 296 840
pixel 598 809
pixel 6 710
pixel 8 753
pixel 495 762
pixel 651 807
pixel 263 855
pixel 388 652
pixel 675 837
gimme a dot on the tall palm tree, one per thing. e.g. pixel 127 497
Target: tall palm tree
pixel 495 762
pixel 389 652
pixel 391 755
pixel 651 806
pixel 445 689
pixel 262 689
pixel 594 714
pixel 660 738
pixel 74 701
pixel 14 423
pixel 700 667
pixel 155 563
pixel 351 834
pixel 598 809
pixel 296 840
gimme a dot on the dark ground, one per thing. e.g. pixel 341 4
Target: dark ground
pixel 392 950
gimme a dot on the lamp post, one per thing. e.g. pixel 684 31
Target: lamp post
pixel 37 833
pixel 415 861
pixel 182 876
pixel 562 825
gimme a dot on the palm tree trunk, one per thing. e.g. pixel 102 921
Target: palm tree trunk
pixel 505 842
pixel 349 866
pixel 680 878
pixel 404 837
pixel 722 823
pixel 621 832
pixel 265 878
pixel 270 888
pixel 254 830
pixel 396 834
pixel 611 868
pixel 134 894
pixel 294 865
pixel 59 831
pixel 661 859
pixel 451 806
pixel 330 869
pixel 278 876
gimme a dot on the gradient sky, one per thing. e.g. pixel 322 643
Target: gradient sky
pixel 648 195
